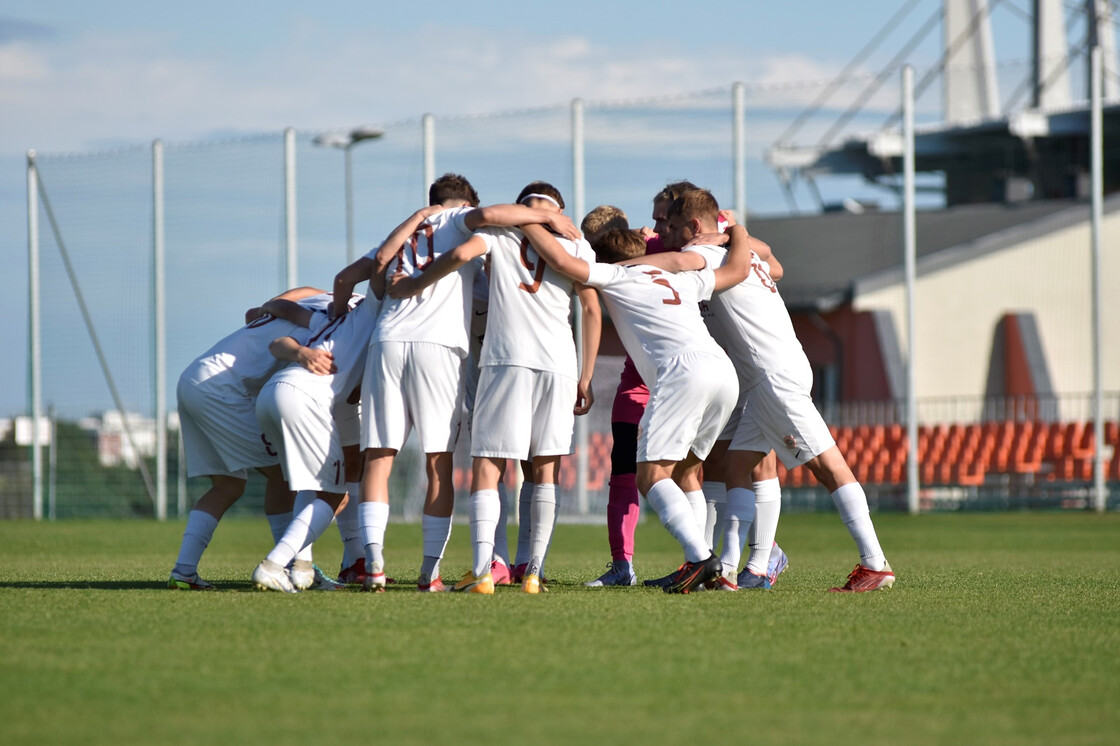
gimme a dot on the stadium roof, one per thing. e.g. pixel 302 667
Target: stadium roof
pixel 826 256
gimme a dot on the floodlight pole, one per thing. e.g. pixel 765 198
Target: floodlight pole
pixel 35 336
pixel 910 249
pixel 1100 489
pixel 346 143
pixel 159 330
pixel 578 204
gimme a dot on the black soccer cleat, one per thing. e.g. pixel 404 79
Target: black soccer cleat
pixel 692 575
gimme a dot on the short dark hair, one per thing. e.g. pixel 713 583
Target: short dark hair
pixel 452 187
pixel 674 190
pixel 616 245
pixel 699 204
pixel 541 187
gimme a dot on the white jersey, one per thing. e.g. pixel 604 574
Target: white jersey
pixel 241 363
pixel 656 313
pixel 347 339
pixel 752 323
pixel 441 313
pixel 529 305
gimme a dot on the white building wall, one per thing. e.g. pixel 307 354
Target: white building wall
pixel 958 307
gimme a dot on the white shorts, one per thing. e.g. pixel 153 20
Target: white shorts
pixel 736 417
pixel 688 407
pixel 220 433
pixel 780 415
pixel 348 417
pixel 302 428
pixel 522 413
pixel 412 384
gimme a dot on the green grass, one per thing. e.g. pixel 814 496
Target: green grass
pixel 1001 629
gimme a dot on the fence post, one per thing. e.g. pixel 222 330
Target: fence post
pixel 429 128
pixel 739 148
pixel 291 246
pixel 910 250
pixel 579 209
pixel 159 329
pixel 34 340
pixel 1100 491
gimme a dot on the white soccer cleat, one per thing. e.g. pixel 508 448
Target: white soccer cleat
pixel 302 574
pixel 618 573
pixel 270 576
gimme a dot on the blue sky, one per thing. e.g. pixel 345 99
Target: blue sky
pixel 78 76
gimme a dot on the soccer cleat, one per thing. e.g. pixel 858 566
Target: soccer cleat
pixel 355 574
pixel 432 586
pixel 269 576
pixel 723 583
pixel 500 572
pixel 864 579
pixel 619 572
pixel 517 574
pixel 374 580
pixel 324 582
pixel 180 582
pixel 777 563
pixel 660 582
pixel 532 584
pixel 471 584
pixel 748 580
pixel 692 575
pixel 302 574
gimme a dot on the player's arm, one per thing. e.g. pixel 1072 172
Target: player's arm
pixel 553 253
pixel 396 239
pixel 295 294
pixel 344 283
pixel 288 311
pixel 592 328
pixel 738 263
pixel 401 286
pixel 766 254
pixel 318 361
pixel 509 216
pixel 670 261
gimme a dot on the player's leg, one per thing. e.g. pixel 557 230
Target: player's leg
pixel 542 518
pixel 500 567
pixel 373 514
pixel 201 523
pixel 439 504
pixel 766 557
pixel 873 571
pixel 524 522
pixel 739 465
pixel 312 517
pixel 715 494
pixel 623 508
pixel 483 511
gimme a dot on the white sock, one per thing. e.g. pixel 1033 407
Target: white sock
pixel 737 520
pixel 278 524
pixel 699 507
pixel 484 509
pixel 715 495
pixel 851 502
pixel 678 517
pixel 436 531
pixel 373 518
pixel 501 533
pixel 303 499
pixel 768 507
pixel 307 526
pixel 350 526
pixel 524 523
pixel 542 521
pixel 196 537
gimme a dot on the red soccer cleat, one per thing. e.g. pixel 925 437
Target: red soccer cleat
pixel 500 572
pixel 863 579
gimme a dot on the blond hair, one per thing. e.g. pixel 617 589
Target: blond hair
pixel 602 219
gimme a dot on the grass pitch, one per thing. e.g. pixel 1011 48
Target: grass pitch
pixel 1001 629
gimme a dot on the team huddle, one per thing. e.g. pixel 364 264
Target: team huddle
pixel 467 321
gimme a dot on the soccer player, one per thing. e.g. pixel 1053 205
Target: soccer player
pixel 217 411
pixel 752 322
pixel 415 363
pixel 529 391
pixel 692 382
pixel 296 410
